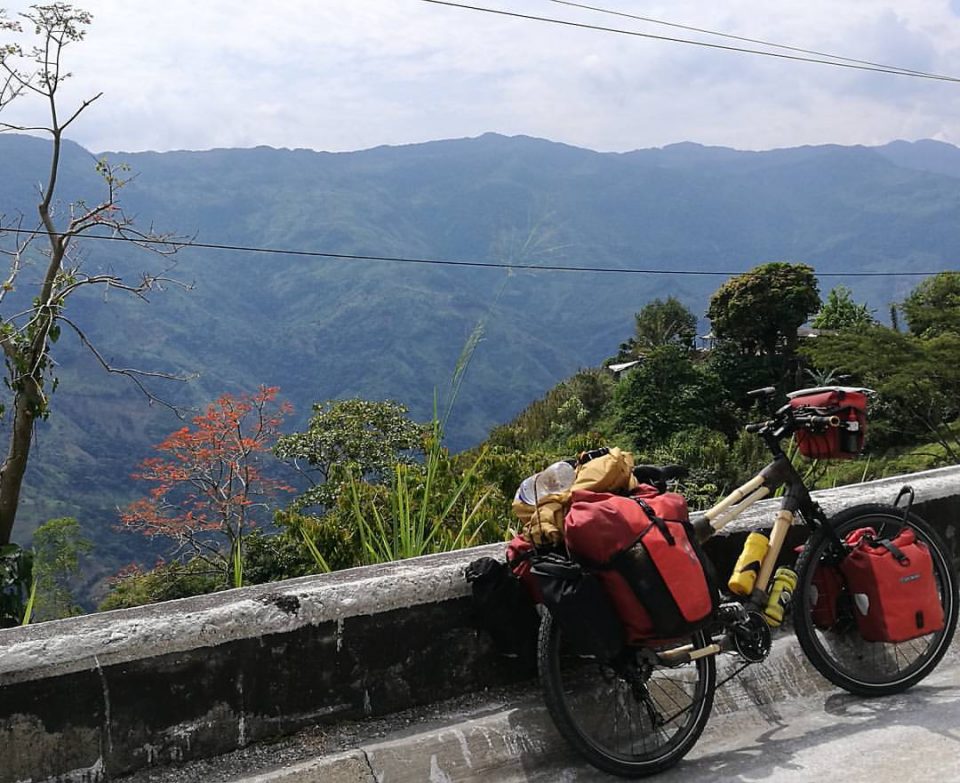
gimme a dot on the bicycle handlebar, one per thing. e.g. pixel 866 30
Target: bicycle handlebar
pixel 818 421
pixel 802 420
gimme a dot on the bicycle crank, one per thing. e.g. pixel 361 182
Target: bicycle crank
pixel 749 633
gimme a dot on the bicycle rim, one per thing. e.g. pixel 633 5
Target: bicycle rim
pixel 839 652
pixel 630 720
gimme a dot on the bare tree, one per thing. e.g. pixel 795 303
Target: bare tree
pixel 26 336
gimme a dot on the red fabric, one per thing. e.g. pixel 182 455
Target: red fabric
pixel 682 570
pixel 828 584
pixel 893 601
pixel 828 444
pixel 666 505
pixel 637 625
pixel 518 558
pixel 600 526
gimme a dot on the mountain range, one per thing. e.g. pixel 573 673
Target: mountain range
pixel 322 326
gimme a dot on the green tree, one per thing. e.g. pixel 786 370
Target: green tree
pixel 54 271
pixel 661 322
pixel 841 312
pixel 918 381
pixel 345 436
pixel 58 546
pixel 16 580
pixel 761 310
pixel 571 409
pixel 933 307
pixel 133 586
pixel 668 392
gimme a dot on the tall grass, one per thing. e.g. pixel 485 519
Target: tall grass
pixel 422 511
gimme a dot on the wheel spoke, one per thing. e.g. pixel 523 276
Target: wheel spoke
pixel 840 653
pixel 635 719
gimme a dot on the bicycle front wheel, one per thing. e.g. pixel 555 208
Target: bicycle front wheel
pixel 838 651
pixel 631 718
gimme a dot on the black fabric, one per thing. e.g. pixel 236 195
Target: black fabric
pixel 577 600
pixel 893 549
pixel 502 608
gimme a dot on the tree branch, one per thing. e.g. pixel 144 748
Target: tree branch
pixel 79 111
pixel 133 374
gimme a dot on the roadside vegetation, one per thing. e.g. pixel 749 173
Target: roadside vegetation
pixel 373 485
pixel 232 498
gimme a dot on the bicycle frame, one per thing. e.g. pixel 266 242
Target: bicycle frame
pixel 780 472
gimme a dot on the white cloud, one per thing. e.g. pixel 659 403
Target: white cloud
pixel 348 74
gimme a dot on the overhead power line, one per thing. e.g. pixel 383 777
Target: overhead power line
pixel 530 267
pixel 732 37
pixel 837 63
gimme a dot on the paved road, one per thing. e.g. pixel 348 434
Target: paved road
pixel 830 736
pixel 780 723
pixel 909 738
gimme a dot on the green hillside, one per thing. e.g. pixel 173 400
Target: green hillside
pixel 326 328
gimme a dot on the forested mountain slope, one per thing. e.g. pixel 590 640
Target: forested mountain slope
pixel 323 327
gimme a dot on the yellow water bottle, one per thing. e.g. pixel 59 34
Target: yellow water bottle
pixel 784 583
pixel 748 564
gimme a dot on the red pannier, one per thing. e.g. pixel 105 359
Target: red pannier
pixel 825 442
pixel 647 558
pixel 892 586
pixel 827 585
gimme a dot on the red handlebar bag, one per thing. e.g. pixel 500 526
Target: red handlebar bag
pixel 891 581
pixel 643 550
pixel 843 442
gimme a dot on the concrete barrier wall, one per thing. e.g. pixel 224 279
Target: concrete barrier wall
pixel 91 698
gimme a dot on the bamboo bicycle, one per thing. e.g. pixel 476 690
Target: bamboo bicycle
pixel 642 712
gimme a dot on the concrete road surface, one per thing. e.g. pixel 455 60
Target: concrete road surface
pixel 827 737
pixel 780 722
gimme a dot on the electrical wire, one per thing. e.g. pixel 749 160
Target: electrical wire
pixel 895 71
pixel 729 36
pixel 531 267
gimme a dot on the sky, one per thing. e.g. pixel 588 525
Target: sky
pixel 352 74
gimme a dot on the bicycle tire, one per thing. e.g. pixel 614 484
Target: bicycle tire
pixel 610 721
pixel 839 653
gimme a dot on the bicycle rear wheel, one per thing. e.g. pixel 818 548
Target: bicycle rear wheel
pixel 633 718
pixel 839 652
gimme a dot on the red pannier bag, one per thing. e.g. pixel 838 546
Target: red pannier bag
pixel 847 404
pixel 647 558
pixel 827 586
pixel 892 585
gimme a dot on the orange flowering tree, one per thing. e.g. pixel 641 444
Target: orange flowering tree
pixel 209 487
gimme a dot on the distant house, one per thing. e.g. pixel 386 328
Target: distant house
pixel 808 331
pixel 803 332
pixel 622 367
